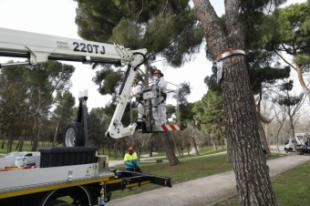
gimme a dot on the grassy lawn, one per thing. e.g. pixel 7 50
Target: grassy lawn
pixel 27 146
pixel 186 170
pixel 292 188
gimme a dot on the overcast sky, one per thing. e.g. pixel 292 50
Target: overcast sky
pixel 57 17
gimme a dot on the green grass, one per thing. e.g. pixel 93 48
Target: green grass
pixel 210 149
pixel 186 170
pixel 27 146
pixel 292 188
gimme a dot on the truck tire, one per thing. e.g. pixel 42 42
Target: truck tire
pixel 74 135
pixel 75 196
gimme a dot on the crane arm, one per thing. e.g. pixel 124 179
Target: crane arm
pixel 39 48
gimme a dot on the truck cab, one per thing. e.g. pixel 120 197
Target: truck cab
pixel 295 144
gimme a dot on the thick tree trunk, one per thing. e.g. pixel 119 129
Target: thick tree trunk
pixel 169 149
pixel 249 161
pixel 241 126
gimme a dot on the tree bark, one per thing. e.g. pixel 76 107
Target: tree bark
pixel 263 138
pixel 241 126
pixel 261 130
pixel 278 133
pixel 301 81
pixel 38 123
pixel 292 127
pixel 169 149
pixel 194 142
pixel 35 143
pixel 249 161
pixel 151 148
pixel 9 143
pixel 56 133
pixel 3 143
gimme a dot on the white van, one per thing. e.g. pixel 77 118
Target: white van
pixel 294 143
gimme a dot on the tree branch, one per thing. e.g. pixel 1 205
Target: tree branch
pixel 291 65
pixel 233 24
pixel 214 32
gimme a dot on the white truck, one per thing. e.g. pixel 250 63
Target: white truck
pixel 297 143
pixel 73 175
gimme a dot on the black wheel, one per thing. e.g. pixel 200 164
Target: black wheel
pixel 74 135
pixel 77 196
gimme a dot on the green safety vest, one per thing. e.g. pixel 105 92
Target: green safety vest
pixel 131 160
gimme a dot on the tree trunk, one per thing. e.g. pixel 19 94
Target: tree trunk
pixel 301 81
pixel 9 143
pixel 3 143
pixel 188 150
pixel 169 149
pixel 241 126
pixel 249 161
pixel 115 150
pixel 35 143
pixel 263 138
pixel 21 145
pixel 124 147
pixel 292 127
pixel 55 134
pixel 151 148
pixel 195 144
pixel 38 123
pixel 278 133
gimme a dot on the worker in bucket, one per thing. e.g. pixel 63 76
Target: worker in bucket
pixel 131 160
pixel 159 103
pixel 138 94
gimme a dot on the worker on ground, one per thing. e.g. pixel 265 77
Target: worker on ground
pixel 159 103
pixel 131 160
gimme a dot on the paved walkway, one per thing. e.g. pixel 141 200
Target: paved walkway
pixel 203 191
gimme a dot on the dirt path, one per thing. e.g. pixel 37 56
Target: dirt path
pixel 203 191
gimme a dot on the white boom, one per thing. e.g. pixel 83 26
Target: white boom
pixel 39 48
